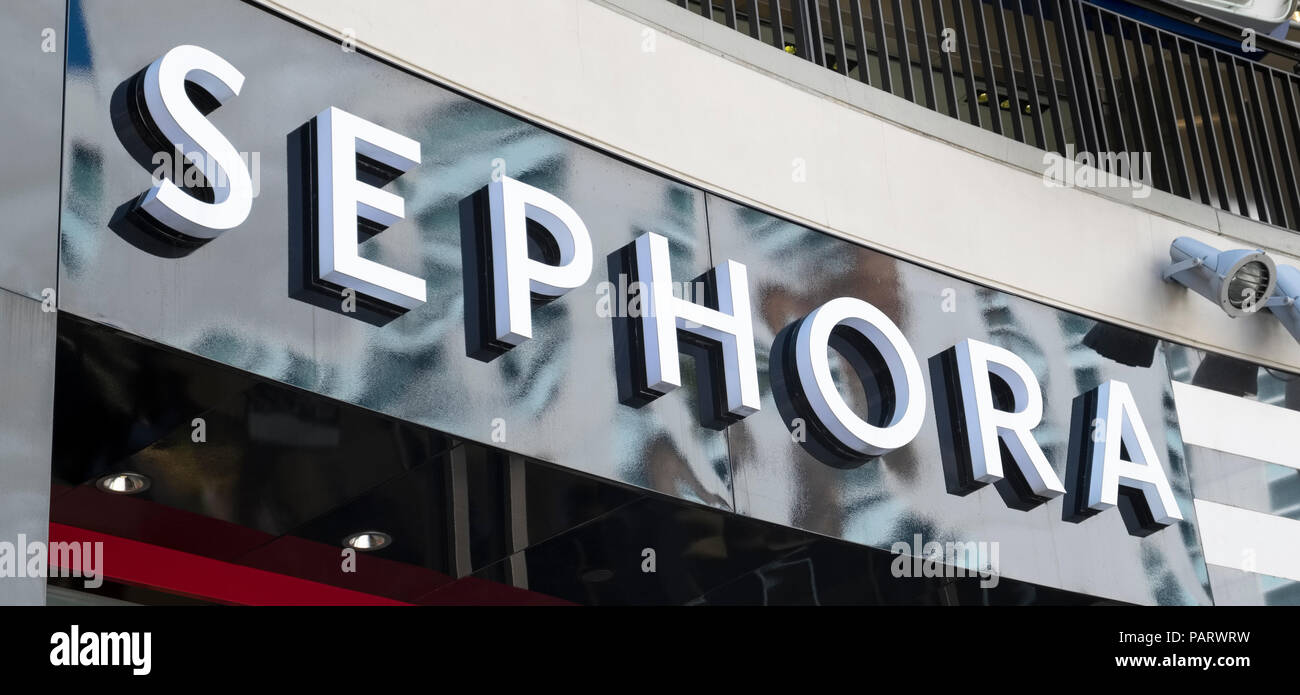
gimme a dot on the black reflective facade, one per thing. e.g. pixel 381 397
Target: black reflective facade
pixel 239 300
pixel 273 424
pixel 282 475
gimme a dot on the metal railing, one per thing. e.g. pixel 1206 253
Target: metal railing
pixel 1067 76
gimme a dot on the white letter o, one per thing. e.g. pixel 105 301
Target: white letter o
pixel 818 386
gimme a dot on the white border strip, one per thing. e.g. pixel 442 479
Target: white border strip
pixel 1249 541
pixel 1238 425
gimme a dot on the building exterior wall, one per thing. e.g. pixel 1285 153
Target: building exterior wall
pixel 27 335
pixel 645 118
pixel 31 49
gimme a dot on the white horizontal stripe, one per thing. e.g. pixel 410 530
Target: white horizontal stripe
pixel 1249 541
pixel 1238 425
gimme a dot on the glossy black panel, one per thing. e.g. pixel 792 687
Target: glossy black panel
pixel 233 448
pixel 230 299
pixel 245 470
pixel 306 472
pixel 705 557
pixel 827 573
pixel 32 42
pixel 889 499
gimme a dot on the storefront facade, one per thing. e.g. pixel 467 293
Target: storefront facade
pixel 541 372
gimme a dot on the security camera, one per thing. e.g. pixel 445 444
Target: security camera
pixel 1239 281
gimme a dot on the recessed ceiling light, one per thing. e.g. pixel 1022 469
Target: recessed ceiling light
pixel 366 541
pixel 124 483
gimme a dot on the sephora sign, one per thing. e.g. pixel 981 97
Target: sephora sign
pixel 532 248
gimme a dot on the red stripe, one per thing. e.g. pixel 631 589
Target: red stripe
pixel 142 564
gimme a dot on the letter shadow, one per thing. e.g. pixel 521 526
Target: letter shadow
pixel 476 277
pixel 1133 508
pixel 305 284
pixel 629 350
pixel 477 274
pixel 792 402
pixel 142 140
pixel 954 437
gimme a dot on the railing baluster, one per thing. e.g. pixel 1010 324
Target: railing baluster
pixel 1009 69
pixel 1263 210
pixel 1283 146
pixel 1049 73
pixel 706 9
pixel 1293 114
pixel 860 38
pixel 904 52
pixel 814 17
pixel 729 13
pixel 923 48
pixel 1091 90
pixel 945 59
pixel 1273 184
pixel 1216 160
pixel 1112 88
pixel 1212 155
pixel 1135 115
pixel 1229 136
pixel 1158 142
pixel 778 26
pixel 882 45
pixel 802 44
pixel 1189 118
pixel 1027 56
pixel 990 79
pixel 968 65
pixel 841 64
pixel 1079 109
pixel 1158 49
pixel 755 26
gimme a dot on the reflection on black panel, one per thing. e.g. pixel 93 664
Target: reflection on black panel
pixel 277 479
